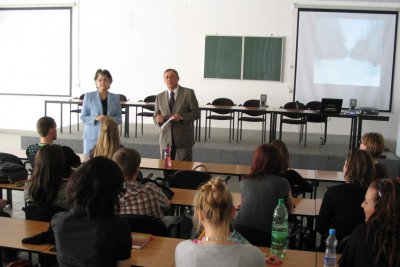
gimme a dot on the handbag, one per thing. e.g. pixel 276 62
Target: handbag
pixel 11 172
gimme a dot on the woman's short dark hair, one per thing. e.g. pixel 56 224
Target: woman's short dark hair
pixel 266 160
pixel 95 188
pixel 103 73
pixel 360 168
pixel 46 177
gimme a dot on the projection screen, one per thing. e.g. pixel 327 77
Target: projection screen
pixel 345 54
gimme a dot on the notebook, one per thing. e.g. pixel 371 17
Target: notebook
pixel 140 240
pixel 331 105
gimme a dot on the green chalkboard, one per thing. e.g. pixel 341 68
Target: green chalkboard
pixel 262 58
pixel 223 57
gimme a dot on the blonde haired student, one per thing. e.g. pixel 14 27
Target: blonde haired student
pixel 108 142
pixel 214 211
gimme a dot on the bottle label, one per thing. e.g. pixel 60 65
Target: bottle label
pixel 329 261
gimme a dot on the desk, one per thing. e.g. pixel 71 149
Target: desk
pixel 12 231
pixel 303 206
pixel 61 102
pixel 159 252
pixel 296 258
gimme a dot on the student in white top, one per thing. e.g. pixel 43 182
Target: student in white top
pixel 214 211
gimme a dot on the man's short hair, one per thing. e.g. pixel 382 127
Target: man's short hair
pixel 44 124
pixel 128 159
pixel 173 70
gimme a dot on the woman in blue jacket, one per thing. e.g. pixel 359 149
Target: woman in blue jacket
pixel 97 106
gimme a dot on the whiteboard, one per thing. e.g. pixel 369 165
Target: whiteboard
pixel 35 51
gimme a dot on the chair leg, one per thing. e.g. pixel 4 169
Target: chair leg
pixel 142 125
pixel 77 119
pixel 305 135
pixel 230 130
pixel 326 130
pixel 237 132
pixel 280 130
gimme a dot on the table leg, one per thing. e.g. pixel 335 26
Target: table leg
pixel 70 117
pixel 126 121
pixel 45 108
pixel 61 117
pixel 136 109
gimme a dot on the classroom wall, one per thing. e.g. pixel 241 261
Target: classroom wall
pixel 138 40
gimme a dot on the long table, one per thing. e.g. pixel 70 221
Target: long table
pixel 159 252
pixel 302 206
pixel 355 129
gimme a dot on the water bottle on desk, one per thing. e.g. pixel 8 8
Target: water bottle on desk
pixel 167 156
pixel 330 251
pixel 279 230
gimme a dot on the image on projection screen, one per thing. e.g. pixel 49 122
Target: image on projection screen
pixel 35 51
pixel 345 55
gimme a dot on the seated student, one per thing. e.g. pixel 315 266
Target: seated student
pixel 108 142
pixel 90 233
pixel 340 208
pixel 375 144
pixel 262 188
pixel 46 186
pixel 214 212
pixel 47 129
pixel 297 183
pixel 376 243
pixel 142 199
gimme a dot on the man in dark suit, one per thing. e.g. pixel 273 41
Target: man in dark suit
pixel 175 111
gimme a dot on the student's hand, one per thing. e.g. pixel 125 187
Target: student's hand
pixel 3 203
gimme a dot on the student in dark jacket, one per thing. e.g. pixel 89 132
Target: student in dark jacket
pixel 377 242
pixel 341 205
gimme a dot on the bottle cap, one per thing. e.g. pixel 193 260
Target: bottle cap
pixel 332 231
pixel 281 201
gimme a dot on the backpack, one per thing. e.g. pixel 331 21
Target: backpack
pixel 11 172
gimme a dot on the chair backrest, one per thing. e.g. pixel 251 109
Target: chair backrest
pixel 315 105
pixel 43 214
pixel 294 105
pixel 81 97
pixel 122 98
pixel 256 236
pixel 188 179
pixel 146 224
pixel 149 99
pixel 222 102
pixel 252 103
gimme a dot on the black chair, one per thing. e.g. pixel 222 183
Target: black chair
pixel 317 118
pixel 122 98
pixel 143 113
pixel 221 114
pixel 294 118
pixel 188 179
pixel 78 110
pixel 256 236
pixel 146 224
pixel 252 116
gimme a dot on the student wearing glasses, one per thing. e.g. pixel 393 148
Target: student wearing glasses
pixel 376 243
pixel 340 208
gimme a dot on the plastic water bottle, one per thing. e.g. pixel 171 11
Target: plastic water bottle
pixel 167 156
pixel 279 230
pixel 330 251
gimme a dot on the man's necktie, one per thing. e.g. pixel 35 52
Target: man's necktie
pixel 171 101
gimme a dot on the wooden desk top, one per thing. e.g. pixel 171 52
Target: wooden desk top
pixel 159 252
pixel 216 168
pixel 12 231
pixel 331 176
pixel 303 206
pixel 296 258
